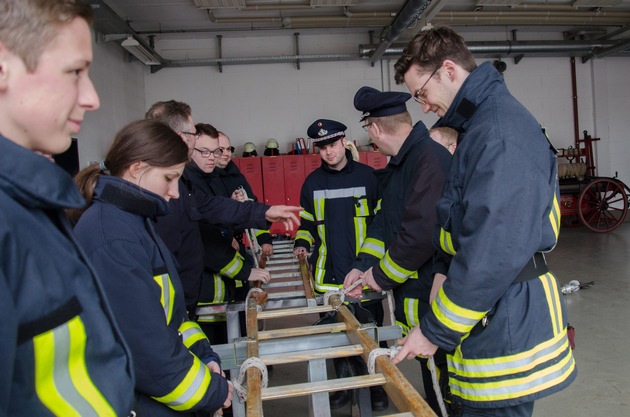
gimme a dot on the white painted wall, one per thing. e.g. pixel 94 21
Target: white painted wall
pixel 257 102
pixel 120 85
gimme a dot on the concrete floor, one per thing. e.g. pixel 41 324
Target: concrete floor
pixel 600 315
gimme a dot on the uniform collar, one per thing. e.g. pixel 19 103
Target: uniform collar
pixel 34 180
pixel 481 83
pixel 418 133
pixel 129 197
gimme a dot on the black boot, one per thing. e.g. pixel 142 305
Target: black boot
pixel 379 399
pixel 343 369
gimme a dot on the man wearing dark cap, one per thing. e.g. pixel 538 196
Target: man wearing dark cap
pixel 398 252
pixel 338 201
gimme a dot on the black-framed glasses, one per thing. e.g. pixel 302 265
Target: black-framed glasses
pixel 196 134
pixel 420 95
pixel 230 149
pixel 366 126
pixel 205 153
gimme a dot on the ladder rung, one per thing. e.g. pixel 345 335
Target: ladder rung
pixel 308 388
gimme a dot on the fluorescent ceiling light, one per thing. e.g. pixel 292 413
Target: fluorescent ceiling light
pixel 138 50
pixel 595 3
pixel 220 4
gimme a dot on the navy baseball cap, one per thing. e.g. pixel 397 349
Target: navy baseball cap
pixel 374 103
pixel 324 131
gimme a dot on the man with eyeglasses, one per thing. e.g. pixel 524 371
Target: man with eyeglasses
pixel 232 183
pixel 179 228
pixel 498 311
pixel 397 252
pixel 225 269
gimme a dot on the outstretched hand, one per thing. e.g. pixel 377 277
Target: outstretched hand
pixel 287 215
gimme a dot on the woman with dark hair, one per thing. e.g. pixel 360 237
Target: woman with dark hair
pixel 177 372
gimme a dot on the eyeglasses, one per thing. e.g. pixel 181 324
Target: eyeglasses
pixel 229 149
pixel 196 134
pixel 206 153
pixel 420 95
pixel 366 126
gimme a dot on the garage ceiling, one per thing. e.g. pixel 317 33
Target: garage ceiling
pixel 582 28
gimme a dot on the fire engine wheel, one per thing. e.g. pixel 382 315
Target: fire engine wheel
pixel 603 205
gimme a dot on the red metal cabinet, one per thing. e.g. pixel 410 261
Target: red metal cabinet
pixel 251 168
pixel 312 161
pixel 376 160
pixel 293 178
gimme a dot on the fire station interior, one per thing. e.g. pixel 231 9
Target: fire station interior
pixel 266 69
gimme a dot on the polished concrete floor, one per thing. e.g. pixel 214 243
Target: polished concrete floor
pixel 600 315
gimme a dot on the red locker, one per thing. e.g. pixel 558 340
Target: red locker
pixel 273 185
pixel 273 179
pixel 293 178
pixel 312 161
pixel 252 170
pixel 376 160
pixel 363 157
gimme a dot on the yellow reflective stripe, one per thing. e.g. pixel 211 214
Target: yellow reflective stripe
pixel 394 271
pixel 454 317
pixel 305 235
pixel 446 243
pixel 219 288
pixel 191 390
pixel 191 333
pixel 403 326
pixel 554 216
pixel 553 297
pixel 378 205
pixel 62 381
pixel 360 230
pixel 374 247
pixel 234 267
pixel 411 312
pixel 260 232
pixel 362 208
pixel 561 361
pixel 167 294
pixel 307 216
pixel 212 318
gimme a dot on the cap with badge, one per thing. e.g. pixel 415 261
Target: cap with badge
pixel 375 103
pixel 324 131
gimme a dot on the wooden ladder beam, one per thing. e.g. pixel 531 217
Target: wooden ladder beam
pixel 398 388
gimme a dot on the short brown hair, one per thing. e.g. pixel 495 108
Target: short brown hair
pixel 430 48
pixel 390 124
pixel 28 26
pixel 207 129
pixel 173 113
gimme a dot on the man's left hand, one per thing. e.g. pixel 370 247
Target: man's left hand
pixel 414 344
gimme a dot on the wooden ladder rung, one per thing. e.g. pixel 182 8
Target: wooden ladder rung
pixel 307 355
pixel 308 388
pixel 301 331
pixel 405 414
pixel 272 314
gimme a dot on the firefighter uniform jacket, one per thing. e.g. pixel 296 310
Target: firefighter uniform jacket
pixel 62 353
pixel 179 229
pixel 508 336
pixel 398 245
pixel 338 207
pixel 138 272
pixel 225 267
pixel 227 181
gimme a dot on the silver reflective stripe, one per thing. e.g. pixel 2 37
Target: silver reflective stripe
pixel 512 388
pixel 339 193
pixel 451 315
pixel 63 381
pixel 191 390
